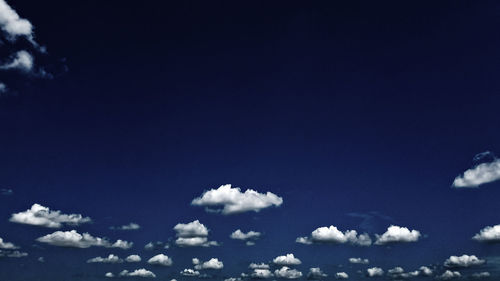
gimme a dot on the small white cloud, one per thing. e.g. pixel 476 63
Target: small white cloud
pixel 192 229
pixel 109 275
pixel 240 235
pixel 374 271
pixel 133 258
pixel 480 174
pixel 12 254
pixel 333 235
pixel 258 265
pixel 213 263
pixel 359 261
pixel 194 242
pixel 77 240
pixel 160 259
pixel 7 245
pixel 22 60
pixel 447 275
pixel 138 273
pixel 189 272
pixel 233 201
pixel 315 273
pixel 261 273
pixel 130 226
pixel 341 275
pixel 463 261
pixel 425 271
pixel 42 216
pixel 481 275
pixel 397 234
pixel 287 273
pixel 109 259
pixel 12 24
pixel 288 259
pixel 488 234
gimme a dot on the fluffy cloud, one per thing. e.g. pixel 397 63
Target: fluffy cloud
pixel 233 201
pixel 130 226
pixel 480 174
pixel 374 271
pixel 488 234
pixel 463 261
pixel 12 24
pixel 287 273
pixel 213 263
pixel 192 234
pixel 397 234
pixel 399 273
pixel 359 260
pixel 109 275
pixel 133 258
pixel 109 259
pixel 331 234
pixel 315 273
pixel 341 275
pixel 77 240
pixel 189 272
pixel 258 265
pixel 42 216
pixel 12 254
pixel 160 259
pixel 447 275
pixel 240 235
pixel 288 259
pixel 425 271
pixel 138 273
pixel 261 273
pixel 7 245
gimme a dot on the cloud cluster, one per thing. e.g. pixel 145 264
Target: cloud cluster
pixel 160 259
pixel 142 272
pixel 261 273
pixel 213 263
pixel 397 234
pixel 333 235
pixel 233 201
pixel 39 215
pixel 192 234
pixel 288 259
pixel 480 174
pixel 133 258
pixel 398 273
pixel 287 273
pixel 315 273
pixel 109 259
pixel 7 245
pixel 463 261
pixel 488 234
pixel 77 240
pixel 189 272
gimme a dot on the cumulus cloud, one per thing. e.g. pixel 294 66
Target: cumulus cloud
pixel 7 245
pixel 341 275
pixel 194 242
pixel 359 261
pixel 397 234
pixel 12 254
pixel 77 240
pixel 315 273
pixel 425 271
pixel 138 273
pixel 160 259
pixel 463 261
pixel 447 275
pixel 192 234
pixel 130 226
pixel 258 265
pixel 261 273
pixel 133 258
pixel 288 259
pixel 42 216
pixel 287 273
pixel 333 235
pixel 213 263
pixel 233 201
pixel 109 275
pixel 189 272
pixel 488 234
pixel 240 235
pixel 109 259
pixel 478 175
pixel 374 271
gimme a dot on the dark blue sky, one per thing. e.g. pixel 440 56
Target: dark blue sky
pixel 359 114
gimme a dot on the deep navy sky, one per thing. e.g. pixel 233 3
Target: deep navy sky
pixel 338 107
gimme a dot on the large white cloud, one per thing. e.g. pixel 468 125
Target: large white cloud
pixel 397 234
pixel 142 272
pixel 213 263
pixel 12 24
pixel 480 174
pixel 7 245
pixel 447 275
pixel 77 240
pixel 42 216
pixel 261 273
pixel 488 234
pixel 133 258
pixel 240 235
pixel 109 259
pixel 359 260
pixel 333 235
pixel 315 273
pixel 287 273
pixel 288 259
pixel 374 271
pixel 233 201
pixel 161 259
pixel 463 261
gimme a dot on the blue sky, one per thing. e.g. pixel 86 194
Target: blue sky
pixel 363 131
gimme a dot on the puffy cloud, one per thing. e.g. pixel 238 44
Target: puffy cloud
pixel 478 175
pixel 425 271
pixel 42 216
pixel 192 234
pixel 22 60
pixel 160 259
pixel 77 240
pixel 480 275
pixel 463 261
pixel 213 263
pixel 447 275
pixel 109 259
pixel 240 235
pixel 133 258
pixel 12 24
pixel 130 226
pixel 189 272
pixel 261 273
pixel 258 265
pixel 288 259
pixel 12 254
pixel 488 234
pixel 7 245
pixel 331 234
pixel 374 271
pixel 109 275
pixel 315 273
pixel 359 261
pixel 397 234
pixel 287 273
pixel 138 273
pixel 341 275
pixel 233 201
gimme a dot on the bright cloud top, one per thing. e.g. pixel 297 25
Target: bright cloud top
pixel 213 263
pixel 7 245
pixel 463 261
pixel 341 275
pixel 488 234
pixel 288 259
pixel 233 201
pixel 447 275
pixel 77 240
pixel 480 174
pixel 396 234
pixel 42 216
pixel 160 259
pixel 192 234
pixel 333 235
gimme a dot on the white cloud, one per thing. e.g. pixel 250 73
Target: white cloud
pixel 109 275
pixel 341 275
pixel 288 259
pixel 77 240
pixel 3 89
pixel 447 275
pixel 42 216
pixel 480 174
pixel 12 254
pixel 397 234
pixel 463 261
pixel 138 273
pixel 7 245
pixel 130 226
pixel 194 242
pixel 195 261
pixel 233 201
pixel 258 265
pixel 424 270
pixel 359 260
pixel 109 259
pixel 261 273
pixel 480 275
pixel 315 273
pixel 331 234
pixel 41 259
pixel 189 272
pixel 374 271
pixel 12 24
pixel 287 273
pixel 22 60
pixel 240 235
pixel 133 258
pixel 488 234
pixel 160 259
pixel 192 229
pixel 213 263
